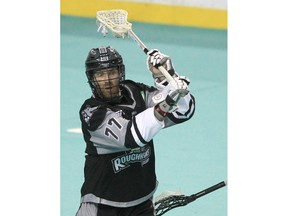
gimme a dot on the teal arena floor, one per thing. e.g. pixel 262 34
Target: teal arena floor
pixel 189 157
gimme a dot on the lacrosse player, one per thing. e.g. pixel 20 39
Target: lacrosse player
pixel 119 122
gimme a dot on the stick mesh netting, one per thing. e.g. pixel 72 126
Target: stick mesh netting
pixel 115 20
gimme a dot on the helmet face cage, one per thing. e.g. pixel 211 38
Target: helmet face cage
pixel 104 59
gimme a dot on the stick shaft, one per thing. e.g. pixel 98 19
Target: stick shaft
pixel 139 42
pixel 210 189
pixel 145 50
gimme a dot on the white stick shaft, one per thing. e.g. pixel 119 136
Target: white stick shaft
pixel 145 49
pixel 138 41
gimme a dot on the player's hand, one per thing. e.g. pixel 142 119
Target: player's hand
pixel 178 88
pixel 156 59
pixel 185 79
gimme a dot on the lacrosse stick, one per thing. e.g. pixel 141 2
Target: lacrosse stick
pixel 165 203
pixel 116 22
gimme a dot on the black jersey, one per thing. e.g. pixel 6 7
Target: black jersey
pixel 120 162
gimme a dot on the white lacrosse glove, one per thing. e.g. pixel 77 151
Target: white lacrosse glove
pixel 161 84
pixel 184 78
pixel 156 59
pixel 168 98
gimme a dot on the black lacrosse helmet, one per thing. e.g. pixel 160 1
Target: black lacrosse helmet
pixel 99 59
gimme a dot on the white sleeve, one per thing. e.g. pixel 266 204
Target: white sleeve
pixel 185 111
pixel 145 126
pixel 185 107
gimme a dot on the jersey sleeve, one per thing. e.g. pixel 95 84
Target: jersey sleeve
pixel 185 111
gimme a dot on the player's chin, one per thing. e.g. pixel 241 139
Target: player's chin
pixel 111 93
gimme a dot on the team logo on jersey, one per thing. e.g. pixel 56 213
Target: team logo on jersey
pixel 87 113
pixel 139 155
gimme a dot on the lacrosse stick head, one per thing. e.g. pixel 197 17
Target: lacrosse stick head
pixel 168 200
pixel 113 20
